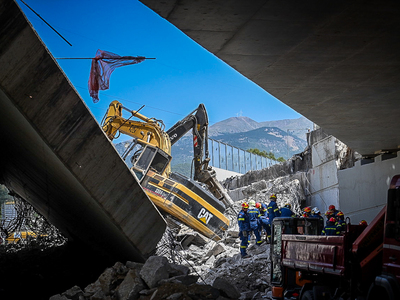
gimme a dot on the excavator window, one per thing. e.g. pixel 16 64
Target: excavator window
pixel 160 161
pixel 152 157
pixel 146 158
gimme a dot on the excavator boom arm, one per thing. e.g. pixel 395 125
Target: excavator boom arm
pixel 147 130
pixel 197 120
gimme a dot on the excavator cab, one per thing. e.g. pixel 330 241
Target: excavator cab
pixel 148 157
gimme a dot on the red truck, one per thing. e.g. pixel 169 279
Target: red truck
pixel 362 263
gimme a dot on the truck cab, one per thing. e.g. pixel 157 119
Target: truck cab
pixel 361 263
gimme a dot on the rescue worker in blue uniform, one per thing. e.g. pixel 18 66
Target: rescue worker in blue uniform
pixel 315 213
pixel 254 220
pixel 264 224
pixel 363 223
pixel 340 221
pixel 331 227
pixel 331 212
pixel 273 211
pixel 306 212
pixel 244 229
pixel 286 211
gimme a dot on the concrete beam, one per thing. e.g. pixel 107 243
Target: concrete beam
pixel 56 156
pixel 335 62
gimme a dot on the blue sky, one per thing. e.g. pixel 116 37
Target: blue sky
pixel 182 76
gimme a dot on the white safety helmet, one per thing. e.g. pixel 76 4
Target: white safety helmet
pixel 252 203
pixel 315 211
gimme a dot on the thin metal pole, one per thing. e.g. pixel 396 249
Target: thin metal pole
pixel 46 23
pixel 122 57
pixel 212 144
pixel 219 155
pixel 226 157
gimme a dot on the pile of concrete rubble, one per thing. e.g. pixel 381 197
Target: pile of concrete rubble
pixel 212 271
pixel 190 266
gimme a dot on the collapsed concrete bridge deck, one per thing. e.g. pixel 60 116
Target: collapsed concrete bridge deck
pixel 335 62
pixel 55 155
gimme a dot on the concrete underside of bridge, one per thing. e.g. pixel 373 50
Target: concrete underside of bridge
pixel 55 155
pixel 335 62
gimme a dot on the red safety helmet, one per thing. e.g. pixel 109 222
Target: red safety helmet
pixel 245 205
pixel 273 196
pixel 307 209
pixel 332 207
pixel 363 222
pixel 258 205
pixel 339 214
pixel 332 220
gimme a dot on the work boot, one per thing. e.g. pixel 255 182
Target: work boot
pixel 246 256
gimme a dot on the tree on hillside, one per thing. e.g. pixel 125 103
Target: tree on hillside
pixel 266 154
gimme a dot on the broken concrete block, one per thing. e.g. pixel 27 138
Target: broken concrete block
pixel 258 186
pixel 195 251
pixel 107 279
pixel 193 239
pixel 210 261
pixel 155 269
pixel 134 265
pixel 131 286
pixel 217 249
pixel 99 295
pixel 92 288
pixel 233 233
pixel 226 288
pixel 120 268
pixel 73 293
pixel 177 270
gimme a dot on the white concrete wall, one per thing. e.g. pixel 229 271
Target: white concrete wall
pixel 363 188
pixel 224 174
pixel 324 184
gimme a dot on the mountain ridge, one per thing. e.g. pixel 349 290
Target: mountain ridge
pixel 285 139
pixel 298 126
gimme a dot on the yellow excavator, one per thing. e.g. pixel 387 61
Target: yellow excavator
pixel 198 203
